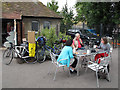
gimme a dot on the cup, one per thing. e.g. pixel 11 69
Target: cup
pixel 94 46
pixel 74 50
pixel 88 51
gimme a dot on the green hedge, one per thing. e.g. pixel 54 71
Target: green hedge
pixel 51 36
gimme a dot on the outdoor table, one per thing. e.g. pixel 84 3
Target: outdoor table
pixel 84 54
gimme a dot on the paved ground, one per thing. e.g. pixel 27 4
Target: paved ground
pixel 35 76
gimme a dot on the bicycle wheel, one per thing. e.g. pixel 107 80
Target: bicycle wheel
pixel 28 59
pixel 41 55
pixel 31 60
pixel 7 56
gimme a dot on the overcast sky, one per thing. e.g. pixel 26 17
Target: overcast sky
pixel 61 3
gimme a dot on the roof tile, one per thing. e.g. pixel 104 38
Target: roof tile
pixel 27 9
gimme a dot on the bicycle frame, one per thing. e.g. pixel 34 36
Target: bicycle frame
pixel 49 48
pixel 20 52
pixel 17 51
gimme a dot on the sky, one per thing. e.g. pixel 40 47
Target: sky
pixel 61 3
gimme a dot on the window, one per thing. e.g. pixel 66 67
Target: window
pixel 46 25
pixel 35 26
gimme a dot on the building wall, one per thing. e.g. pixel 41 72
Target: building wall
pixel 28 24
pixel 0 32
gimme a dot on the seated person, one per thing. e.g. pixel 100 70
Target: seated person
pixel 77 42
pixel 104 45
pixel 67 53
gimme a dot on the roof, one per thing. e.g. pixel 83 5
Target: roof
pixel 14 10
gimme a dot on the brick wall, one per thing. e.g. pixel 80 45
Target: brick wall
pixel 19 32
pixel 23 30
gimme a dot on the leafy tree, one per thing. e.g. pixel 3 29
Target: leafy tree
pixel 53 5
pixel 67 21
pixel 50 36
pixel 64 36
pixel 96 13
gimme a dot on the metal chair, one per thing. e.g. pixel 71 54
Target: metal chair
pixel 57 64
pixel 110 53
pixel 102 66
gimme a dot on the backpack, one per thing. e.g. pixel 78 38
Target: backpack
pixel 41 41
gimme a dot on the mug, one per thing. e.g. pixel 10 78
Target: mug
pixel 88 51
pixel 94 46
pixel 74 50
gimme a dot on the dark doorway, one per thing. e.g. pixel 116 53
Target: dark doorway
pixel 7 26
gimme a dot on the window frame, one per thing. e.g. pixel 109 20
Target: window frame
pixel 48 22
pixel 32 25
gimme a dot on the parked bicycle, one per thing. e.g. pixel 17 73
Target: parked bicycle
pixel 43 49
pixel 60 43
pixel 20 51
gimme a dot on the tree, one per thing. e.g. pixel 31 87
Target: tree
pixel 96 13
pixel 67 21
pixel 53 5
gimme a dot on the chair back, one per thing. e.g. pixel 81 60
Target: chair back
pixel 53 57
pixel 110 53
pixel 111 49
pixel 54 61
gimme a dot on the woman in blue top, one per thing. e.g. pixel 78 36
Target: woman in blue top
pixel 67 53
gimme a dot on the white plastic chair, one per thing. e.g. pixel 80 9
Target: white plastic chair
pixel 57 64
pixel 102 66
